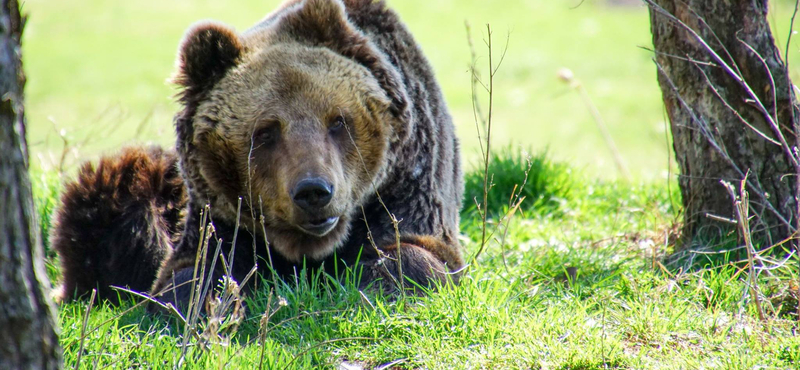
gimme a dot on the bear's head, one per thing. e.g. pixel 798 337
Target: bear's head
pixel 295 116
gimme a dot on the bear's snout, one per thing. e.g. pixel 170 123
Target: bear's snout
pixel 312 194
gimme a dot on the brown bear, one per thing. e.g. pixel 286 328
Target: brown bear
pixel 305 135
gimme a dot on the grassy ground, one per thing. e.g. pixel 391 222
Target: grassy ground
pixel 574 286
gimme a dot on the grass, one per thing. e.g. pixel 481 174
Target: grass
pixel 546 187
pixel 574 289
pixel 578 283
pixel 46 187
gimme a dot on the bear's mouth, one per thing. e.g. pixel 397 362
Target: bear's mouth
pixel 319 227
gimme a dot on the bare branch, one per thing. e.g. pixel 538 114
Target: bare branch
pixel 772 87
pixel 732 73
pixel 789 38
pixel 727 105
pixel 742 206
pixel 673 56
pixel 705 131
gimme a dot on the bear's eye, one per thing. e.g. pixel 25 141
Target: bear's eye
pixel 336 124
pixel 266 135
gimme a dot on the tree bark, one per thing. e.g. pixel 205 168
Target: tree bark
pixel 733 114
pixel 28 338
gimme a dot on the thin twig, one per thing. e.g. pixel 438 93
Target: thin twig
pixel 486 156
pixel 678 57
pixel 737 77
pixel 771 81
pixel 716 92
pixel 789 38
pixel 147 298
pixel 567 76
pixel 193 312
pixel 264 329
pixel 477 113
pixel 394 220
pixel 705 131
pixel 741 205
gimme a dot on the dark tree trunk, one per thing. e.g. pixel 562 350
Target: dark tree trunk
pixel 732 112
pixel 27 331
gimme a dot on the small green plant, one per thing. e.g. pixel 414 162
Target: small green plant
pixel 46 186
pixel 547 186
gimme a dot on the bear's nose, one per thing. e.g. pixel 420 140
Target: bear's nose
pixel 312 194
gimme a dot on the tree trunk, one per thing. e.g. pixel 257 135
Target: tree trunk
pixel 27 332
pixel 733 114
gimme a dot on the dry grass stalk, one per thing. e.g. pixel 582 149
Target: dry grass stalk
pixel 263 324
pixel 146 298
pixel 199 281
pixel 84 327
pixel 224 307
pixel 400 283
pixel 741 204
pixel 224 314
pixel 262 221
pixel 512 209
pixel 568 77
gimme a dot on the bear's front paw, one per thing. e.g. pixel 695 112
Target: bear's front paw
pixel 405 269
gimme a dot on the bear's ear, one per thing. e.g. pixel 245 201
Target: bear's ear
pixel 207 51
pixel 325 23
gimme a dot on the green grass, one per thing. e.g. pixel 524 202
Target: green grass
pixel 538 183
pixel 46 186
pixel 573 285
pixel 575 289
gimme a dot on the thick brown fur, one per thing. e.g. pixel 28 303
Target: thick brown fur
pixel 118 221
pixel 319 89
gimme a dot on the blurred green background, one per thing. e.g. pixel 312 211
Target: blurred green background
pixel 97 73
